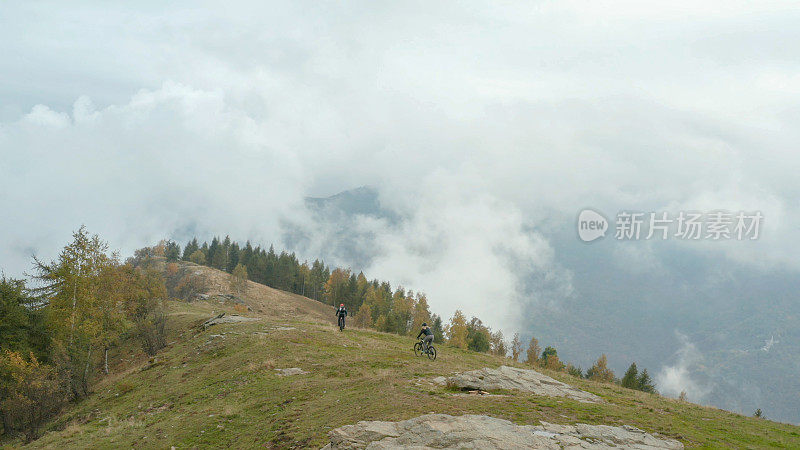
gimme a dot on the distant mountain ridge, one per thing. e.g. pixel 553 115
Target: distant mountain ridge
pixel 336 223
pixel 361 200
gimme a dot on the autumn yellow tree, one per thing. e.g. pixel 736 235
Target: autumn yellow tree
pixel 337 287
pixel 403 307
pixel 117 288
pixel 516 347
pixel 457 330
pixel 198 257
pixel 499 344
pixel 380 323
pixel 600 371
pixel 76 304
pixel 422 313
pixel 160 249
pixel 533 352
pixel 553 362
pixel 363 318
pixel 90 299
pixel 30 393
pixel 362 284
pixel 145 305
pixel 372 299
pixel 383 301
pixel 238 280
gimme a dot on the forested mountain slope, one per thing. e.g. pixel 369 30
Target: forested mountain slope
pixel 222 385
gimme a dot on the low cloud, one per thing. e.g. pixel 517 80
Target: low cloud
pixel 674 379
pixel 468 250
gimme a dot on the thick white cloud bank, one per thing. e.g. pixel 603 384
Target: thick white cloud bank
pixel 486 126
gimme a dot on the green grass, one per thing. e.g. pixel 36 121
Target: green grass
pixel 205 391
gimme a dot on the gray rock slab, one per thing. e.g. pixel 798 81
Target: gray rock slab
pixel 442 431
pixel 512 378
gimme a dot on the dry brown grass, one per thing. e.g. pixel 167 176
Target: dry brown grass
pixel 264 300
pixel 255 366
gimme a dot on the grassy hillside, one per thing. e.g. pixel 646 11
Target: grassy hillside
pixel 219 387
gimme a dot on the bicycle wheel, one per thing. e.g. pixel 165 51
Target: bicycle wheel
pixel 431 353
pixel 418 349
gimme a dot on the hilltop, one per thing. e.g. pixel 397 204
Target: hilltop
pixel 222 386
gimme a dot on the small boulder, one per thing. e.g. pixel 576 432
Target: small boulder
pixel 290 371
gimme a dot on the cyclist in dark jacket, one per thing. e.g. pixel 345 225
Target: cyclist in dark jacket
pixel 428 339
pixel 341 313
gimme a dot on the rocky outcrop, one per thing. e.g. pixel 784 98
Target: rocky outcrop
pixel 473 431
pixel 512 378
pixel 222 318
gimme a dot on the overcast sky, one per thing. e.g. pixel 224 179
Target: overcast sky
pixel 486 125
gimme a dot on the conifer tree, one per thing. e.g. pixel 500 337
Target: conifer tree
pixel 190 248
pixel 213 249
pixel 269 261
pixel 574 371
pixel 631 378
pixel 233 257
pixel 245 254
pixel 645 383
pixel 437 328
pixel 548 353
pixel 478 336
pixel 220 258
pixel 172 251
pixel 19 323
pixel 226 246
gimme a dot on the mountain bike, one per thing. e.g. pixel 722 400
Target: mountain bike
pixel 418 350
pixel 341 323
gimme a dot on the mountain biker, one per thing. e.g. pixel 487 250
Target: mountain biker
pixel 341 313
pixel 428 339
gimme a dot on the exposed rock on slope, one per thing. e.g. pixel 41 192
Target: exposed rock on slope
pixel 473 431
pixel 290 371
pixel 512 378
pixel 222 318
